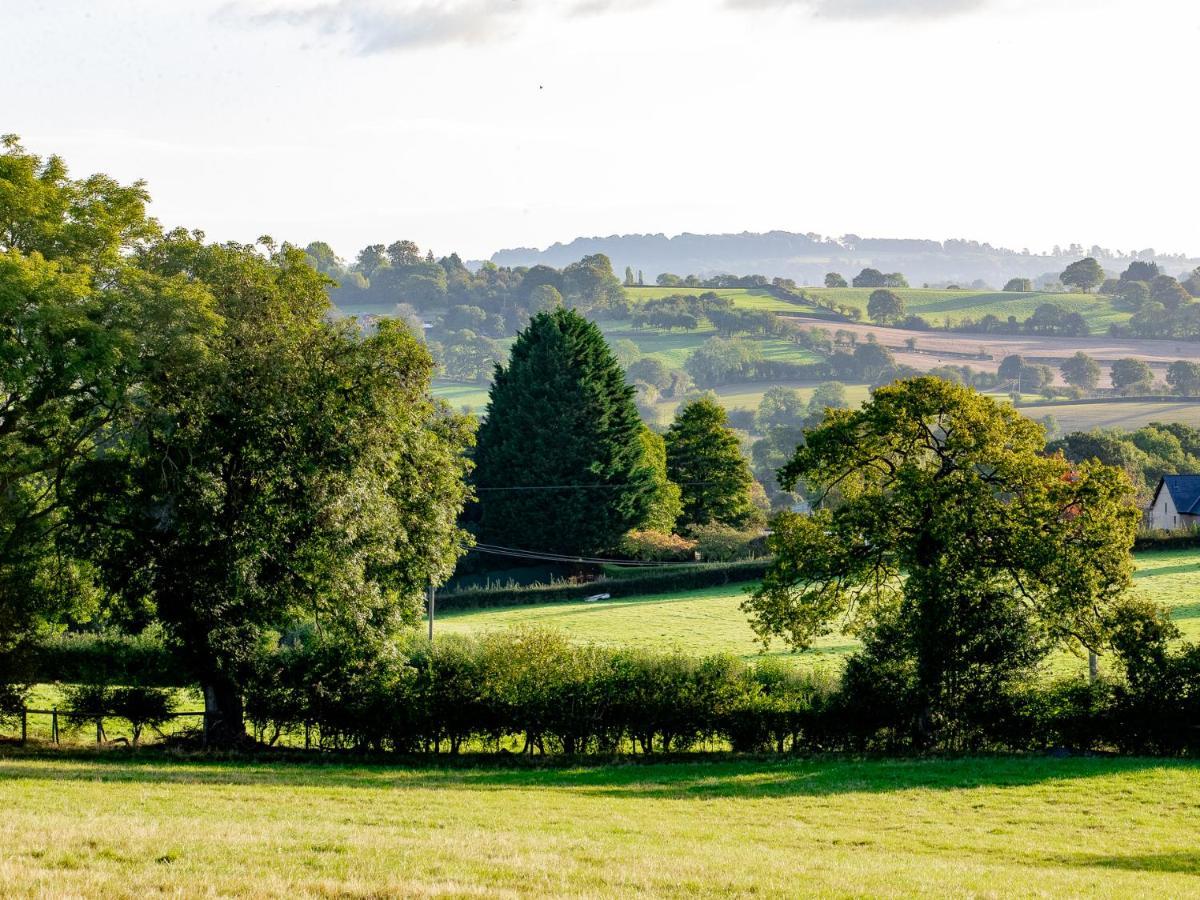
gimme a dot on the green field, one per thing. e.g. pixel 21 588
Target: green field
pixel 709 621
pixel 954 306
pixel 1125 416
pixel 972 827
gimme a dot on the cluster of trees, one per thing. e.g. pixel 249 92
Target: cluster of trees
pixel 721 361
pixel 686 311
pixel 1145 455
pixel 465 315
pixel 1047 319
pixel 188 440
pixel 666 279
pixel 565 465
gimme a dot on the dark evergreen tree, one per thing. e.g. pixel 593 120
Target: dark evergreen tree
pixel 704 459
pixel 560 462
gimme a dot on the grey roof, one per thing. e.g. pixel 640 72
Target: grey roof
pixel 1185 492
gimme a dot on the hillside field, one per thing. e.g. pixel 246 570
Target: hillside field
pixel 954 306
pixel 118 826
pixel 709 621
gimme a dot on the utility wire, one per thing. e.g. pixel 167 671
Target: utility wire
pixel 496 550
pixel 571 487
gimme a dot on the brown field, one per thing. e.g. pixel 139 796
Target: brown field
pixel 933 347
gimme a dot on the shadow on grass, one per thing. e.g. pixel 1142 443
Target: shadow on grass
pixel 1178 863
pixel 632 778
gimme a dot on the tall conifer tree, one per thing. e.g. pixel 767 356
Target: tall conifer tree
pixel 560 462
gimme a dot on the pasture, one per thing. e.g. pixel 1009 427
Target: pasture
pixel 116 825
pixel 953 306
pixel 709 621
pixel 1127 416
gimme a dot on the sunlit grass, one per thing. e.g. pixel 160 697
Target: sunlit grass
pixel 710 621
pixel 991 827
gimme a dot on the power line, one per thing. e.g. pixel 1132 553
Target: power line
pixel 543 556
pixel 571 487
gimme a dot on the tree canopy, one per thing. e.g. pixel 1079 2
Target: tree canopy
pixel 705 460
pixel 561 462
pixel 946 532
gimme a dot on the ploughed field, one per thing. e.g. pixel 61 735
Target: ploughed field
pixel 709 621
pixel 119 826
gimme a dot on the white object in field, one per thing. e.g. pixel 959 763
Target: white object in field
pixel 595 597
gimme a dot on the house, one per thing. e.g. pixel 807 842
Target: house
pixel 1176 503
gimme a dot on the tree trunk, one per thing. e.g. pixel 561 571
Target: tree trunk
pixel 225 714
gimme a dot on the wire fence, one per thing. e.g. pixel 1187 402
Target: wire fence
pixel 75 719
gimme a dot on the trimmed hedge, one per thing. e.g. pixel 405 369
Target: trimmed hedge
pixel 1166 540
pixel 108 659
pixel 699 575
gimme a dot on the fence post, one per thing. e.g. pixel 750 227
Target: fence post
pixel 204 719
pixel 99 731
pixel 54 725
pixel 307 735
pixel 24 724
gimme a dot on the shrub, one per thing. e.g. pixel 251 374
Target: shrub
pixel 722 543
pixel 655 545
pixel 142 708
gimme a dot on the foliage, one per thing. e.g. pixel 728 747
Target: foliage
pixel 885 307
pixel 666 503
pixel 1084 274
pixel 1081 371
pixel 298 468
pixel 834 280
pixel 659 546
pixel 1005 550
pixel 722 543
pixel 561 459
pixel 705 460
pixel 82 325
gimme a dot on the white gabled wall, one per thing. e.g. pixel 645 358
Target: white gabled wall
pixel 1163 513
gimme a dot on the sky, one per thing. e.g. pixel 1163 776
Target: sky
pixel 475 125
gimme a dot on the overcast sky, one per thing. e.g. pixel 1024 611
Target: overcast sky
pixel 472 125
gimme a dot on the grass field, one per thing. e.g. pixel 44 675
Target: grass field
pixel 972 827
pixel 1126 416
pixel 954 306
pixel 709 621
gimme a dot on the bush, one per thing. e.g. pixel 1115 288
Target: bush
pixel 722 543
pixel 142 708
pixel 108 658
pixel 657 546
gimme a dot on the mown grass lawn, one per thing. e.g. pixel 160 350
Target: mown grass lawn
pixel 974 827
pixel 710 621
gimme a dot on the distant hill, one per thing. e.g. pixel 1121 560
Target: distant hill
pixel 807 257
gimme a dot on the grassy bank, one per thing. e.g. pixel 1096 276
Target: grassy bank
pixel 1017 827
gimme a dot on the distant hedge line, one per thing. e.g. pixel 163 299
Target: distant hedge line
pixel 1166 540
pixel 699 575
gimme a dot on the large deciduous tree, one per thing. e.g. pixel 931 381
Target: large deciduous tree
pixel 296 471
pixel 80 326
pixel 947 534
pixel 885 306
pixel 1081 371
pixel 1084 274
pixel 560 463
